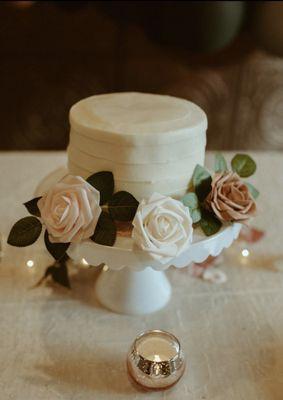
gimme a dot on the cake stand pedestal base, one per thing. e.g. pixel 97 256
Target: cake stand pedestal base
pixel 133 292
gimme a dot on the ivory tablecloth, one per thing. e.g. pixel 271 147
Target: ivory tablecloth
pixel 60 344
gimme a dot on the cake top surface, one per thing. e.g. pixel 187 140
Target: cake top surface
pixel 133 113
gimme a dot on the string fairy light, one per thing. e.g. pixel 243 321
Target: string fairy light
pixel 30 263
pixel 245 253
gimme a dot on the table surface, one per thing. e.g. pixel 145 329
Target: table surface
pixel 60 344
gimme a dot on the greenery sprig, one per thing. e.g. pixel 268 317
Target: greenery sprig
pixel 119 206
pixel 122 206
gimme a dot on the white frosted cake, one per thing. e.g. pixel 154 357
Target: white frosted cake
pixel 150 142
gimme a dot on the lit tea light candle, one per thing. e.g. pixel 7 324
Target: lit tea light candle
pixel 155 360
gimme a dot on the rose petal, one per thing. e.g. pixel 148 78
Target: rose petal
pixel 251 235
pixel 214 275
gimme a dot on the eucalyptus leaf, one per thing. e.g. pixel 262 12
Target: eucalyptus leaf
pixel 32 206
pixel 253 191
pixel 57 250
pixel 209 223
pixel 190 200
pixel 123 206
pixel 220 164
pixel 244 165
pixel 105 231
pixel 196 215
pixel 103 181
pixel 202 182
pixel 25 232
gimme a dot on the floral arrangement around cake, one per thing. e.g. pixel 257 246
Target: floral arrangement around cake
pixel 75 209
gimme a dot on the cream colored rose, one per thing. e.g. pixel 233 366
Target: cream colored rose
pixel 70 210
pixel 230 198
pixel 162 227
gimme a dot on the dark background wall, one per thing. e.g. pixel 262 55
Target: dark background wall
pixel 225 56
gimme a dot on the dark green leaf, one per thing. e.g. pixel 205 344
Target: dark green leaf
pixel 25 232
pixel 105 231
pixel 244 165
pixel 32 207
pixel 202 182
pixel 190 200
pixel 253 191
pixel 58 272
pixel 57 250
pixel 122 206
pixel 209 223
pixel 220 164
pixel 103 181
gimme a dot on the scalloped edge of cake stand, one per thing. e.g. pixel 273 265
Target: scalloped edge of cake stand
pixel 136 284
pixel 125 254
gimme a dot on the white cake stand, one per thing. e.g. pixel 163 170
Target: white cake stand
pixel 134 283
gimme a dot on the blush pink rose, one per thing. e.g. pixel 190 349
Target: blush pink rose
pixel 70 210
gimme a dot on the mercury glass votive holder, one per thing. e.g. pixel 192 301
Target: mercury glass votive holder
pixel 156 360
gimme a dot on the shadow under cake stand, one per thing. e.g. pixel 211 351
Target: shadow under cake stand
pixel 134 283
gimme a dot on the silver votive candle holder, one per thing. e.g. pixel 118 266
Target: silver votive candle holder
pixel 156 360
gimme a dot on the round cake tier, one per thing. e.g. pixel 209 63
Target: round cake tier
pixel 151 143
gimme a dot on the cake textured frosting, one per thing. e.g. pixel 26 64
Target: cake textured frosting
pixel 150 142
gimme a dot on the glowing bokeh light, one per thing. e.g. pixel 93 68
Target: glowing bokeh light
pixel 245 253
pixel 30 263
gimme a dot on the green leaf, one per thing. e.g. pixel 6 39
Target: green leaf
pixel 202 182
pixel 190 200
pixel 104 182
pixel 25 232
pixel 32 207
pixel 58 272
pixel 105 231
pixel 209 223
pixel 253 191
pixel 57 250
pixel 244 165
pixel 122 206
pixel 220 164
pixel 196 215
pixel 59 275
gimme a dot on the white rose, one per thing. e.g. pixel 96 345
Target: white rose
pixel 162 227
pixel 70 210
